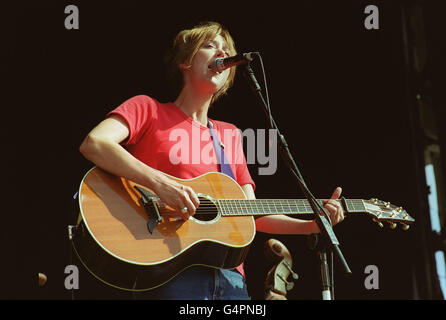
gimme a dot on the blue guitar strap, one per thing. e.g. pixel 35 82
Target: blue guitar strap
pixel 220 153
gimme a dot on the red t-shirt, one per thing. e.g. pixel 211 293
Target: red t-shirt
pixel 165 138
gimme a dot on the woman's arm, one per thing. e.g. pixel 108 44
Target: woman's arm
pixel 102 147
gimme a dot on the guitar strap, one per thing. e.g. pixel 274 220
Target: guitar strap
pixel 220 153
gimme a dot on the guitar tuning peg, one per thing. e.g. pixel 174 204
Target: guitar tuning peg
pixel 392 225
pixel 378 222
pixel 399 209
pixel 405 227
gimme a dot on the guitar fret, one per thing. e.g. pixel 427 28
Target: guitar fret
pixel 239 207
pixel 355 205
pixel 307 206
pixel 244 209
pixel 226 207
pixel 264 206
pixel 229 207
pixel 236 207
pixel 288 206
pixel 257 209
pixel 303 206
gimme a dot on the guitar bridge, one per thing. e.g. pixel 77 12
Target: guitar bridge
pixel 148 200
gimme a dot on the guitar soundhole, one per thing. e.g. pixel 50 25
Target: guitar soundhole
pixel 206 211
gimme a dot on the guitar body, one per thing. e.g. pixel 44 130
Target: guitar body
pixel 113 242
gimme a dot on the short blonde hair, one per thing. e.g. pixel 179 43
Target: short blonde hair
pixel 185 46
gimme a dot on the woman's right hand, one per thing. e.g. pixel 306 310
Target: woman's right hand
pixel 177 196
pixel 102 146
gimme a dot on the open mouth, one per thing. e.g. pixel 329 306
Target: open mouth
pixel 213 67
pixel 212 70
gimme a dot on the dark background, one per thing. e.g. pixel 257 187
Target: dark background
pixel 341 95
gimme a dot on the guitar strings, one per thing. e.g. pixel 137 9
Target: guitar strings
pixel 208 207
pixel 297 206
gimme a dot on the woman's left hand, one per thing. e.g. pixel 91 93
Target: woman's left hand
pixel 334 207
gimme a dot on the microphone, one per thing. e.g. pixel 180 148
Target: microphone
pixel 220 64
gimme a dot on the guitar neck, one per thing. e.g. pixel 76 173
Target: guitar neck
pixel 261 207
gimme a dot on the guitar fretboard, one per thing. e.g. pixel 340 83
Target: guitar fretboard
pixel 234 207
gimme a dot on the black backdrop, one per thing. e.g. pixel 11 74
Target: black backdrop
pixel 337 92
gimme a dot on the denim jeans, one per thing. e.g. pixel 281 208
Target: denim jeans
pixel 200 283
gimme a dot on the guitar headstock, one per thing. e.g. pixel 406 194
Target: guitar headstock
pixel 387 212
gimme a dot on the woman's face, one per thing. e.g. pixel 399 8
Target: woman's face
pixel 199 74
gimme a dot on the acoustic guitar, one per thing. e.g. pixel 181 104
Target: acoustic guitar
pixel 125 239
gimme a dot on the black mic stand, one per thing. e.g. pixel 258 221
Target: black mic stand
pixel 316 243
pixel 324 225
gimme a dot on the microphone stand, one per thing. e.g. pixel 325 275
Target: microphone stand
pixel 324 225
